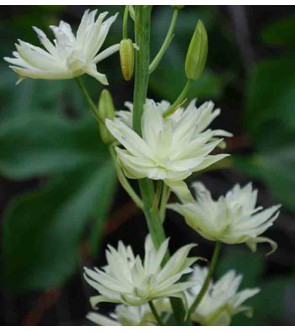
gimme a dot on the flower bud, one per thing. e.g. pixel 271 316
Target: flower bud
pixel 106 109
pixel 197 53
pixel 127 58
pixel 178 7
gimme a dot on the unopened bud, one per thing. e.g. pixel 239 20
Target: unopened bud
pixel 196 56
pixel 178 7
pixel 127 58
pixel 106 109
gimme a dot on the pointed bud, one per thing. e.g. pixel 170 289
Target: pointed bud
pixel 196 56
pixel 106 109
pixel 127 58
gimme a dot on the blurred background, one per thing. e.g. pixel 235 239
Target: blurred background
pixel 60 202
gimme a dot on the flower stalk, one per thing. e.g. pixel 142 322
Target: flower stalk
pixel 180 99
pixel 124 182
pixel 155 313
pixel 142 59
pixel 206 284
pixel 89 100
pixel 166 43
pixel 125 22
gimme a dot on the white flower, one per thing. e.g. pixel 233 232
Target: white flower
pixel 131 316
pixel 171 149
pixel 233 218
pixel 70 55
pixel 222 300
pixel 128 280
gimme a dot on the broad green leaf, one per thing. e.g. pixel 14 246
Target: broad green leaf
pixel 280 32
pixel 38 144
pixel 276 169
pixel 272 304
pixel 42 230
pixel 270 97
pixel 235 258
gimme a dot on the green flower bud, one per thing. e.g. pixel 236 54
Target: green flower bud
pixel 197 53
pixel 127 58
pixel 106 109
pixel 178 7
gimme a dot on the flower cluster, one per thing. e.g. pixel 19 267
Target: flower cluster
pixel 221 302
pixel 175 142
pixel 69 55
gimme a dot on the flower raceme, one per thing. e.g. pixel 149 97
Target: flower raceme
pixel 231 219
pixel 221 301
pixel 170 149
pixel 70 55
pixel 128 280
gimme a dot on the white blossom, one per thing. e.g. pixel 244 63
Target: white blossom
pixel 69 55
pixel 232 219
pixel 170 149
pixel 128 280
pixel 221 301
pixel 131 315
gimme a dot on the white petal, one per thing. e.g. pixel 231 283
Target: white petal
pixel 106 53
pixel 101 319
pixel 92 71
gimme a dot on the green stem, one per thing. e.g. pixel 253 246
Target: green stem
pixel 155 313
pixel 166 43
pixel 206 284
pixel 152 216
pixel 164 200
pixel 142 59
pixel 124 182
pixel 90 102
pixel 159 186
pixel 125 22
pixel 179 99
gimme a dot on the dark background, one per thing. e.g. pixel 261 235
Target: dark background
pixel 59 200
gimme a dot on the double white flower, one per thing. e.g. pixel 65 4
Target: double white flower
pixel 222 300
pixel 233 218
pixel 131 316
pixel 128 280
pixel 170 149
pixel 70 55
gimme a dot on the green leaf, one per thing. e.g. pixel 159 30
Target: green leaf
pixel 270 97
pixel 109 181
pixel 42 230
pixel 276 168
pixel 235 258
pixel 271 305
pixel 280 32
pixel 35 145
